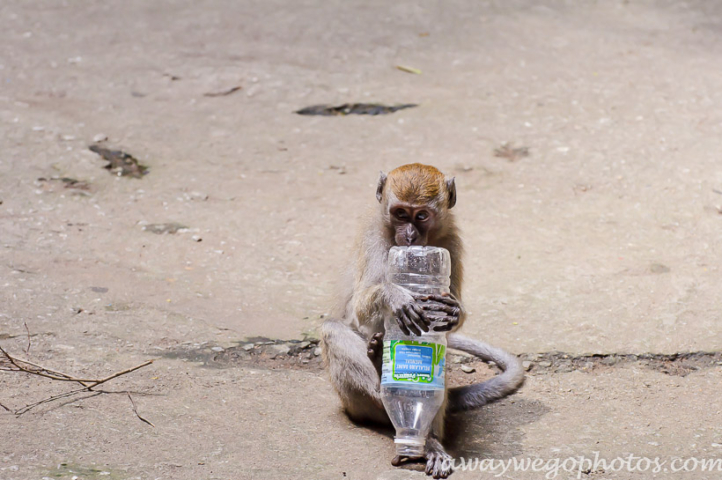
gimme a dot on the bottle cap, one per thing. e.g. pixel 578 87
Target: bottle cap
pixel 409 440
pixel 410 446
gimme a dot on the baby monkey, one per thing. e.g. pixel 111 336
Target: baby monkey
pixel 415 202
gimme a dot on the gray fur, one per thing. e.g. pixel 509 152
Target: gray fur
pixel 353 375
pixel 451 188
pixel 380 188
pixel 480 394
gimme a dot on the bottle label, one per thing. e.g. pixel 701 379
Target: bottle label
pixel 408 361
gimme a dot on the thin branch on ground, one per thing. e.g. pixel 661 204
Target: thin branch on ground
pixel 135 410
pixel 22 365
pixel 27 330
pixel 27 408
pixel 118 374
pixel 77 399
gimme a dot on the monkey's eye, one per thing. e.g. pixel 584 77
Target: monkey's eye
pixel 422 216
pixel 401 214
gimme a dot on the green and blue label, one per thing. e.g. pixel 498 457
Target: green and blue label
pixel 409 361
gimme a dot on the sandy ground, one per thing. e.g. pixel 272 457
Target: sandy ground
pixel 604 240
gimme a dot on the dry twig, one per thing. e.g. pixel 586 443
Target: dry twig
pixel 21 365
pixel 135 410
pixel 27 349
pixel 29 407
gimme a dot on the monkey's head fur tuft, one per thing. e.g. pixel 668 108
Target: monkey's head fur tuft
pixel 418 184
pixel 415 199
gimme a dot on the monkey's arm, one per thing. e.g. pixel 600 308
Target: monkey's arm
pixel 409 315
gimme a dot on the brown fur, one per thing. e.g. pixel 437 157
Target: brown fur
pixel 416 183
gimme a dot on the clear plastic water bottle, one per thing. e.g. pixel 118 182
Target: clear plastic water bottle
pixel 412 380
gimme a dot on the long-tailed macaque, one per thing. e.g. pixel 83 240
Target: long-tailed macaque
pixel 415 202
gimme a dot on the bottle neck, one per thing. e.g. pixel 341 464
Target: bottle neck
pixel 409 445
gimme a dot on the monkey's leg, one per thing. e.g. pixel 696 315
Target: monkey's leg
pixel 352 373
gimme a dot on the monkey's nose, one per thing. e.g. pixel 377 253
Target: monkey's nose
pixel 411 237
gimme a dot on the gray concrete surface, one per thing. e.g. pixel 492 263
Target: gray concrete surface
pixel 604 240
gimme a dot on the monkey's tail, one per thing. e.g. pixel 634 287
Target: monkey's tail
pixel 479 394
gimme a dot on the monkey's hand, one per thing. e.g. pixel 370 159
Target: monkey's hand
pixel 408 313
pixel 443 310
pixel 375 350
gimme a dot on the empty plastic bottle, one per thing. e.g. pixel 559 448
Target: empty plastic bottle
pixel 412 380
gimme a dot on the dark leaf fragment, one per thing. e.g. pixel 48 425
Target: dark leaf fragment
pixel 222 93
pixel 510 153
pixel 68 182
pixel 164 228
pixel 353 109
pixel 121 163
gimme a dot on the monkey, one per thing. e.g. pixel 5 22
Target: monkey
pixel 415 202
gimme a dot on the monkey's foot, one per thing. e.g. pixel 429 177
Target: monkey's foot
pixel 376 349
pixel 438 463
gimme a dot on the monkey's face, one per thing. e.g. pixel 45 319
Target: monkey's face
pixel 412 225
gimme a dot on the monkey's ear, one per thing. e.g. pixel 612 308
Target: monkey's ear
pixel 451 188
pixel 380 188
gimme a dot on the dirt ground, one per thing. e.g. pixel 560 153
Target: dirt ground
pixel 595 255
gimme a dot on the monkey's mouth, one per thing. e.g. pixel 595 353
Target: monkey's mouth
pixel 405 242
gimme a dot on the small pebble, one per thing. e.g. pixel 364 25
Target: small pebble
pixel 198 195
pixel 659 268
pixel 545 363
pixel 317 351
pixel 303 345
pixel 280 349
pixel 248 347
pixel 217 349
pixel 196 238
pixel 467 369
pixel 101 137
pixel 526 364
